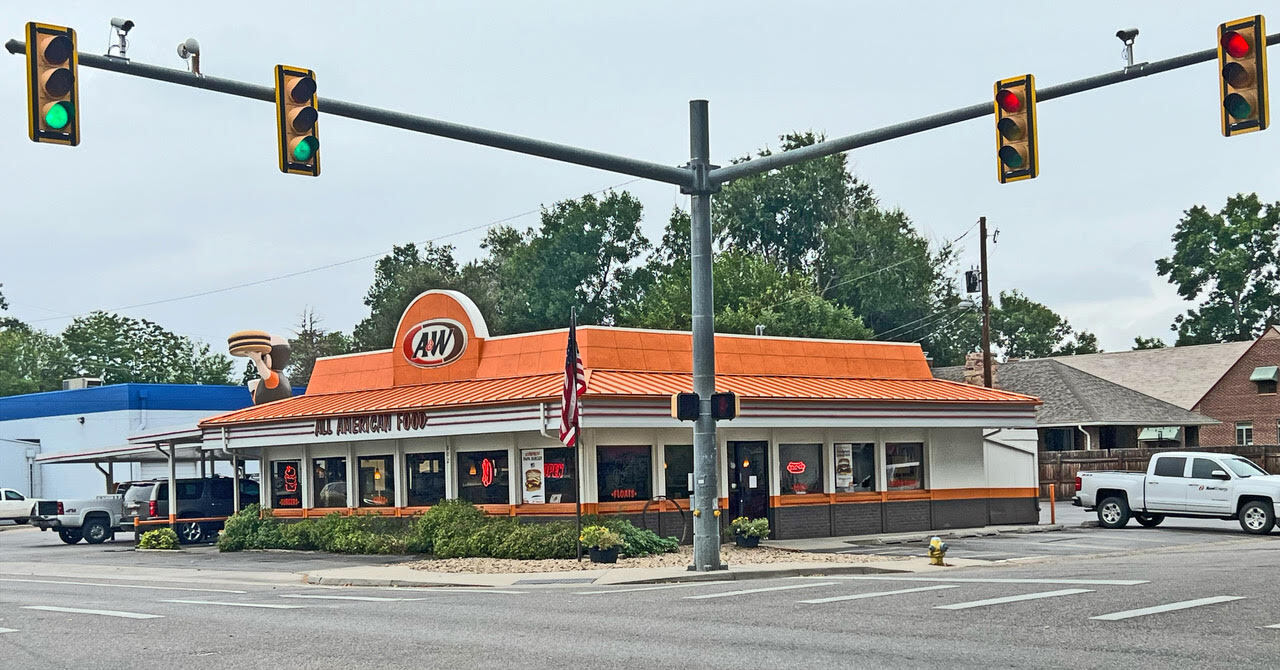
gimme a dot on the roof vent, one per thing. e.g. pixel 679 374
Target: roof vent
pixel 81 383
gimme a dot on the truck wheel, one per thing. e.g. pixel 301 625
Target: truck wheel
pixel 1149 520
pixel 95 531
pixel 1257 517
pixel 1113 512
pixel 70 535
pixel 21 522
pixel 190 533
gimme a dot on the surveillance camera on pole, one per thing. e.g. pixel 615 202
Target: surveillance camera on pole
pixel 117 43
pixel 190 50
pixel 1127 36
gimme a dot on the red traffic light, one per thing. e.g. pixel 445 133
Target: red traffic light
pixel 1235 44
pixel 1009 101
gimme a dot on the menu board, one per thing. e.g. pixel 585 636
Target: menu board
pixel 844 466
pixel 531 463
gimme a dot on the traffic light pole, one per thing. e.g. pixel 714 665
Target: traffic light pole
pixel 986 309
pixel 698 178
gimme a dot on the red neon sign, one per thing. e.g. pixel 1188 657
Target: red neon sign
pixel 290 479
pixel 618 494
pixel 553 470
pixel 795 467
pixel 486 471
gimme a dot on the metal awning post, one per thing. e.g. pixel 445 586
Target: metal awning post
pixel 235 484
pixel 109 474
pixel 173 485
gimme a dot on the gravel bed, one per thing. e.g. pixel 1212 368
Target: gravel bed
pixel 731 554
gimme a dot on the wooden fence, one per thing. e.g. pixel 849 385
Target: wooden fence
pixel 1059 468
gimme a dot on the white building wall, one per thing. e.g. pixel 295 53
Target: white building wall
pixel 1012 457
pixel 955 459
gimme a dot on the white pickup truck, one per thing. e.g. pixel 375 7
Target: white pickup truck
pixel 14 506
pixel 95 520
pixel 1183 484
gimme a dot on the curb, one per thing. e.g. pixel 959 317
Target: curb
pixel 986 531
pixel 392 583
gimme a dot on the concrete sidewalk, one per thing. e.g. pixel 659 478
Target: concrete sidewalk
pixel 831 544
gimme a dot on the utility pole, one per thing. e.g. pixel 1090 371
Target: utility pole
pixel 986 307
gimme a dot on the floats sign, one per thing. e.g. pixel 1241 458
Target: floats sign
pixel 434 343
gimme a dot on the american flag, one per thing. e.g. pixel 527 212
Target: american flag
pixel 575 384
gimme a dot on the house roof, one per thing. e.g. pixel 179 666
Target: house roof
pixel 1073 397
pixel 613 383
pixel 1176 375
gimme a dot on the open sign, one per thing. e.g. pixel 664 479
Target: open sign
pixel 795 467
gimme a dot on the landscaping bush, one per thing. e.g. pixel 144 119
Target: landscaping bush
pixel 160 538
pixel 529 541
pixel 636 542
pixel 241 530
pixel 447 518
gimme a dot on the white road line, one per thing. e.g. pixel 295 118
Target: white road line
pixel 120 586
pixel 1185 604
pixel 73 610
pixel 1012 599
pixel 226 604
pixel 652 588
pixel 1274 625
pixel 8 630
pixel 963 580
pixel 480 589
pixel 746 591
pixel 877 594
pixel 371 599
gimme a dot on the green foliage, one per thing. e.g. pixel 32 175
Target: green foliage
pixel 600 537
pixel 1024 328
pixel 445 519
pixel 749 527
pixel 309 342
pixel 32 361
pixel 160 538
pixel 635 541
pixel 528 541
pixel 1141 342
pixel 123 349
pixel 1227 262
pixel 361 534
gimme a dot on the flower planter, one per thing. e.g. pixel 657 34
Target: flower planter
pixel 748 542
pixel 603 555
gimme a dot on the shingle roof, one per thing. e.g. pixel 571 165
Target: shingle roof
pixel 1177 375
pixel 1073 397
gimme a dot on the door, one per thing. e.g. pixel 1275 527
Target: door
pixel 13 505
pixel 1205 493
pixel 748 480
pixel 1166 485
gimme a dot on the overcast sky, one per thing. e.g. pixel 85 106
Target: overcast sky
pixel 176 191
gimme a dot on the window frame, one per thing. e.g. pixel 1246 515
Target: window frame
pixel 641 495
pixel 389 474
pixel 666 473
pixel 497 485
pixel 317 488
pixel 1161 460
pixel 1244 433
pixel 855 448
pixel 784 474
pixel 409 476
pixel 888 480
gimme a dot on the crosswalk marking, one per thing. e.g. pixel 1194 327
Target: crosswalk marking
pixel 74 610
pixel 769 588
pixel 877 594
pixel 1012 599
pixel 1170 607
pixel 371 599
pixel 8 630
pixel 120 586
pixel 227 604
pixel 993 580
pixel 1274 625
pixel 652 588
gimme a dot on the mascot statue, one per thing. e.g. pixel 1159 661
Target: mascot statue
pixel 270 354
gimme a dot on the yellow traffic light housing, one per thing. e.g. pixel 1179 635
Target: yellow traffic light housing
pixel 1017 155
pixel 1242 75
pixel 53 95
pixel 296 115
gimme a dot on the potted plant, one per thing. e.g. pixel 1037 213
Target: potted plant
pixel 747 532
pixel 602 544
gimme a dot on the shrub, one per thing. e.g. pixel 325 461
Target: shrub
pixel 529 541
pixel 447 518
pixel 600 537
pixel 636 542
pixel 160 538
pixel 242 529
pixel 749 527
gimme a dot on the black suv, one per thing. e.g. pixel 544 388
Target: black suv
pixel 197 498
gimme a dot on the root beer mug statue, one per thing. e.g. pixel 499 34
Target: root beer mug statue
pixel 270 354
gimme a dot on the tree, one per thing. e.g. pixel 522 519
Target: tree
pixel 8 322
pixel 309 342
pixel 581 256
pixel 1227 261
pixel 1141 342
pixel 1024 328
pixel 32 361
pixel 122 349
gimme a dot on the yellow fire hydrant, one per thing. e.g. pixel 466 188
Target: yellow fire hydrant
pixel 937 551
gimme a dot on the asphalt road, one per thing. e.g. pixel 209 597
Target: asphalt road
pixel 1071 611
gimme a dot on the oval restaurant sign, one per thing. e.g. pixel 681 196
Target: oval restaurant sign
pixel 434 343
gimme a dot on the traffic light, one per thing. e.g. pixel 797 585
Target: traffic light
pixel 724 406
pixel 53 109
pixel 296 116
pixel 1242 75
pixel 685 406
pixel 1017 155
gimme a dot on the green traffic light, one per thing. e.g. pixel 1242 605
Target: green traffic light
pixel 1237 106
pixel 305 148
pixel 1011 157
pixel 58 115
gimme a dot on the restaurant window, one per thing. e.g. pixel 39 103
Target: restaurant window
pixel 329 481
pixel 623 473
pixel 484 477
pixel 1244 433
pixel 559 475
pixel 377 481
pixel 677 468
pixel 904 465
pixel 855 467
pixel 286 492
pixel 425 475
pixel 800 468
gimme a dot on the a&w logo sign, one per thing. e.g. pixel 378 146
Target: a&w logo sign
pixel 433 343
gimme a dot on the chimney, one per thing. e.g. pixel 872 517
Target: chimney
pixel 973 369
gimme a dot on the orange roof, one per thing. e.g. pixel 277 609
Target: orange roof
pixel 612 383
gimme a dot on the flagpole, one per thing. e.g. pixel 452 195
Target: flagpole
pixel 577 440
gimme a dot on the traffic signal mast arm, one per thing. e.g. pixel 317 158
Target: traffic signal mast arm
pixel 681 176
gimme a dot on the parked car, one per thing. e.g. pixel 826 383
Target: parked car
pixel 1183 484
pixel 14 506
pixel 197 498
pixel 95 520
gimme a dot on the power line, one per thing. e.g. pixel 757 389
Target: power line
pixel 958 317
